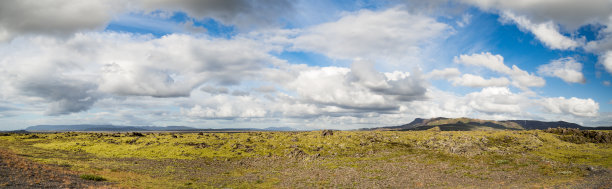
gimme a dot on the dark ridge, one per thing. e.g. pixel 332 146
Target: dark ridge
pixel 468 124
pixel 105 128
pixel 533 124
pixel 64 128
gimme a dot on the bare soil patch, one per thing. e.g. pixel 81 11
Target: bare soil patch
pixel 19 172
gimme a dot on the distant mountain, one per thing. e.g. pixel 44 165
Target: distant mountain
pixel 280 129
pixel 60 128
pixel 469 124
pixel 106 128
pixel 532 124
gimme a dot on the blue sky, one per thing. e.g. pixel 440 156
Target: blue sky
pixel 303 64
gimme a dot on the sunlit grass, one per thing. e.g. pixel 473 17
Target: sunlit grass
pixel 116 156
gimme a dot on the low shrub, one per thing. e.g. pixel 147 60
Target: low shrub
pixel 92 177
pixel 578 136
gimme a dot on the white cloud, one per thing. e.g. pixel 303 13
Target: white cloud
pixel 86 66
pixel 484 59
pixel 59 18
pixel 547 20
pixel 391 33
pixel 330 86
pixel 439 104
pixel 144 71
pixel 465 20
pixel 358 89
pixel 546 32
pixel 606 61
pixel 64 95
pixel 565 68
pixel 606 83
pixel 446 73
pixel 66 17
pixel 496 100
pixel 501 103
pixel 520 78
pixel 403 85
pixel 224 108
pixel 53 65
pixel 214 90
pixel 603 44
pixel 242 13
pixel 470 80
pixel 573 105
pixel 569 13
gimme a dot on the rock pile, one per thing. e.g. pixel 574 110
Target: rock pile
pixel 327 133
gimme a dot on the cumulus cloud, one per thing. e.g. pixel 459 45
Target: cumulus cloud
pixel 265 89
pixel 371 34
pixel 66 17
pixel 65 96
pixel 174 65
pixel 43 74
pixel 439 104
pixel 240 93
pixel 243 13
pixel 223 109
pixel 122 64
pixel 403 85
pixel 565 68
pixel 520 78
pixel 547 19
pixel 59 18
pixel 214 90
pixel 603 44
pixel 574 106
pixel 546 32
pixel 446 73
pixel 330 85
pixel 606 61
pixel 240 81
pixel 582 12
pixel 484 59
pixel 496 100
pixel 523 79
pixel 358 88
pixel 501 103
pixel 470 80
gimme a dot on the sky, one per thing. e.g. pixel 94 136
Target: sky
pixel 306 64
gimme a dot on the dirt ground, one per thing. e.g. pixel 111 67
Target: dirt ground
pixel 18 172
pixel 346 160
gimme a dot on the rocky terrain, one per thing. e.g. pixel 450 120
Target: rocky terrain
pixel 434 158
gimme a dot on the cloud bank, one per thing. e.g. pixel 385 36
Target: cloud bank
pixel 370 66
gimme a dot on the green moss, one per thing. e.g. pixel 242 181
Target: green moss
pixel 356 150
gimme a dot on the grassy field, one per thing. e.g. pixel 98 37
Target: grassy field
pixel 349 159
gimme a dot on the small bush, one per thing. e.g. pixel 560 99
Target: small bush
pixel 501 161
pixel 581 136
pixel 32 137
pixel 137 134
pixel 93 177
pixel 327 133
